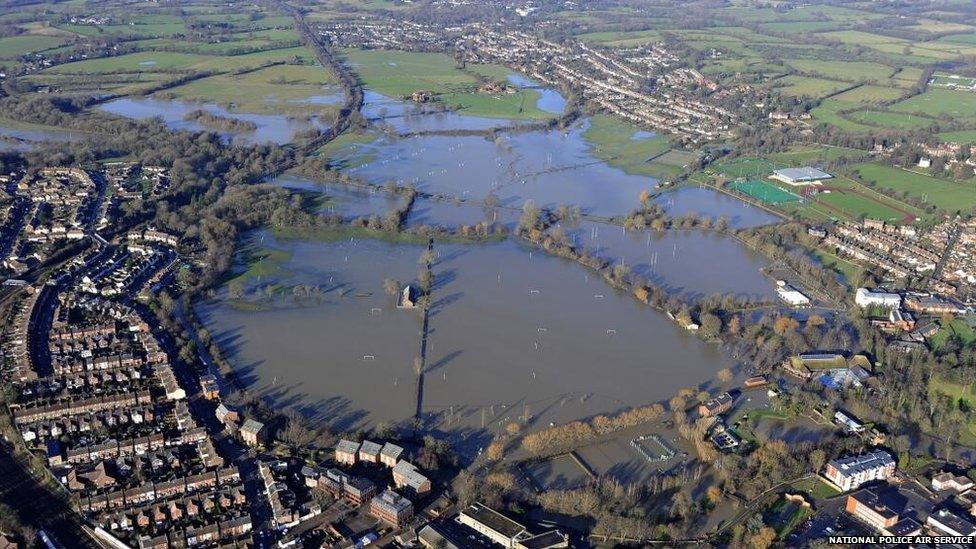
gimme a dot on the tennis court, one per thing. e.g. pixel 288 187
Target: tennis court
pixel 767 193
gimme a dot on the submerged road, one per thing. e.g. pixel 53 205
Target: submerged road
pixel 423 336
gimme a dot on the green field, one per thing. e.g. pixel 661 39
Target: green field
pixel 828 112
pixel 843 266
pixel 958 328
pixel 852 71
pixel 806 86
pixel 963 136
pixel 889 119
pixel 964 396
pixel 765 192
pixel 869 94
pixel 400 74
pixel 858 205
pixel 800 155
pixel 520 105
pixel 940 101
pixel 277 89
pixel 13 47
pixel 170 61
pixel 751 167
pixel 614 141
pixel 946 195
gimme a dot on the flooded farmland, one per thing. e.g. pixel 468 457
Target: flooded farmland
pixel 514 334
pixel 508 339
pixel 271 128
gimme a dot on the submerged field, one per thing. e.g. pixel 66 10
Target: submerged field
pixel 399 74
pixel 504 339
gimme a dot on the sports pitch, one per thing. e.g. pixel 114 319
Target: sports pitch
pixel 767 193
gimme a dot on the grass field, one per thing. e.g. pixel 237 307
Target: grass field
pixel 13 47
pixel 755 168
pixel 889 119
pixel 765 192
pixel 170 61
pixel 844 267
pixel 852 71
pixel 805 86
pixel 520 105
pixel 816 487
pixel 799 155
pixel 964 136
pixel 957 328
pixel 399 74
pixel 869 94
pixel 277 89
pixel 946 195
pixel 829 112
pixel 614 142
pixel 859 205
pixel 964 396
pixel 940 101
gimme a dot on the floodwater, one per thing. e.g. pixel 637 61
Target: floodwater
pixel 23 138
pixel 549 100
pixel 350 202
pixel 714 204
pixel 693 263
pixel 548 168
pixel 407 116
pixel 270 127
pixel 513 334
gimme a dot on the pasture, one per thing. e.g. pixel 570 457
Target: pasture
pixel 939 101
pixel 946 195
pixel 276 89
pixel 851 71
pixel 619 144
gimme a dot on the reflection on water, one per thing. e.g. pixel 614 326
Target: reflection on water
pixel 22 139
pixel 692 263
pixel 508 338
pixel 270 127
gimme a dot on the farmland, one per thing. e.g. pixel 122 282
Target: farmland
pixel 399 74
pixel 935 102
pixel 619 144
pixel 280 88
pixel 943 194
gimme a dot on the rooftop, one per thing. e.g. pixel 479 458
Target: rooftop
pixel 370 448
pixel 413 477
pixel 852 465
pixel 347 446
pixel 870 498
pixel 953 522
pixel 391 450
pixel 252 426
pixel 806 173
pixel 391 501
pixel 494 520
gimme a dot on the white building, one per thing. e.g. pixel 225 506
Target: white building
pixel 800 176
pixel 945 522
pixel 791 295
pixel 849 424
pixel 851 472
pixel 864 297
